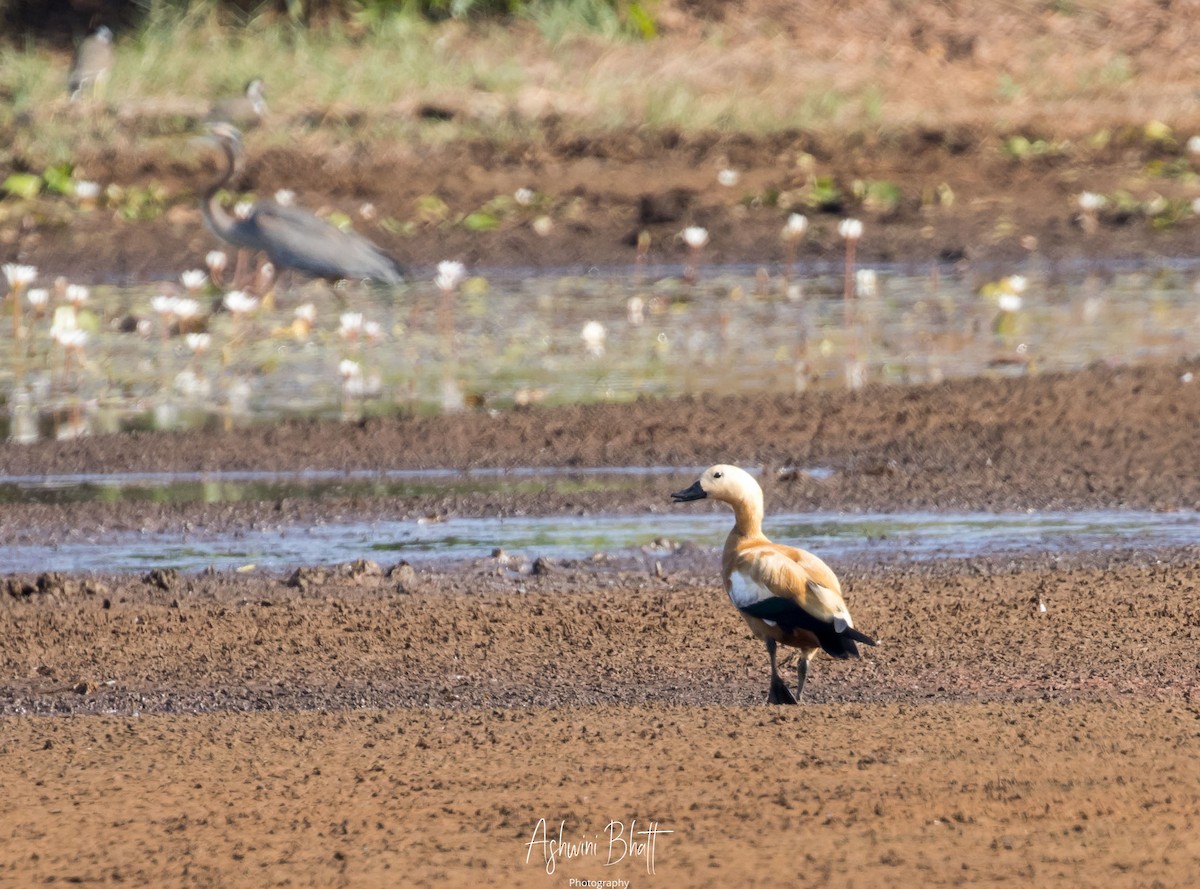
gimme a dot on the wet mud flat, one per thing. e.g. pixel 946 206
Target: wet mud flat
pixel 348 727
pixel 366 725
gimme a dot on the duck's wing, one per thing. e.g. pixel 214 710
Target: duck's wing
pixel 797 591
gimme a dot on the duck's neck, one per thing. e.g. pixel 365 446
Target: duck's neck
pixel 748 516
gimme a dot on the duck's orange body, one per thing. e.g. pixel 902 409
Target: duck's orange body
pixel 786 595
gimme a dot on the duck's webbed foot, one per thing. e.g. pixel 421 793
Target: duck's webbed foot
pixel 779 693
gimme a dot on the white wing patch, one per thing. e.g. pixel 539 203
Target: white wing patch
pixel 743 591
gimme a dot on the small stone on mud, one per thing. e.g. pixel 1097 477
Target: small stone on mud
pixel 304 578
pixel 165 579
pixel 404 576
pixel 19 589
pixel 668 206
pixel 542 565
pixel 361 569
pixel 94 588
pixel 53 582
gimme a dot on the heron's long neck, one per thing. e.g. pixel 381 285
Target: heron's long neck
pixel 218 220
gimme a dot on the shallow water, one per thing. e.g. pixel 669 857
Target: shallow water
pixel 519 339
pixel 234 486
pixel 650 536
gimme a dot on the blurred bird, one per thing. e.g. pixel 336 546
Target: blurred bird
pixel 244 112
pixel 93 62
pixel 293 238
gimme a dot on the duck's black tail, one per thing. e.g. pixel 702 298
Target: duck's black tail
pixel 842 645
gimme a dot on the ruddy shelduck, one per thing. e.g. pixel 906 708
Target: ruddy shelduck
pixel 787 596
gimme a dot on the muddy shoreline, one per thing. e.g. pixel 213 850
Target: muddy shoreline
pixel 1024 719
pixel 1105 438
pixel 606 191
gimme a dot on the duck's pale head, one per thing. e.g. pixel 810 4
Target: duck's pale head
pixel 722 482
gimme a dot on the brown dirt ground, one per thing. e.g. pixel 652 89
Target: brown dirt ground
pixel 364 729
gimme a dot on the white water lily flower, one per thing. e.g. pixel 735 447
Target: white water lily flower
pixel 186 308
pixel 18 275
pixel 635 310
pixel 850 229
pixel 349 369
pixel 524 196
pixel 285 197
pixel 352 324
pixel 1090 202
pixel 1009 302
pixel 728 177
pixel 593 336
pixel 216 260
pixel 372 331
pixel 198 342
pixel 695 236
pixel 543 225
pixel 72 339
pixel 449 275
pixel 38 297
pixel 239 302
pixel 795 227
pixel 77 294
pixel 87 191
pixel 306 312
pixel 193 279
pixel 190 384
pixel 164 304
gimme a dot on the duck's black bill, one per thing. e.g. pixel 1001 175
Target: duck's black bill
pixel 695 492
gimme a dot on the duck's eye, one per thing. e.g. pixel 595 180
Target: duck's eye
pixel 716 475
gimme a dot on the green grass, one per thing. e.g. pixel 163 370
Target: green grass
pixel 571 61
pixel 589 66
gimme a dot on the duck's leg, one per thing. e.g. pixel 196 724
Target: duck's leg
pixel 802 672
pixel 779 693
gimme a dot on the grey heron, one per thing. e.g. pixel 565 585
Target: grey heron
pixel 244 111
pixel 93 61
pixel 291 237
